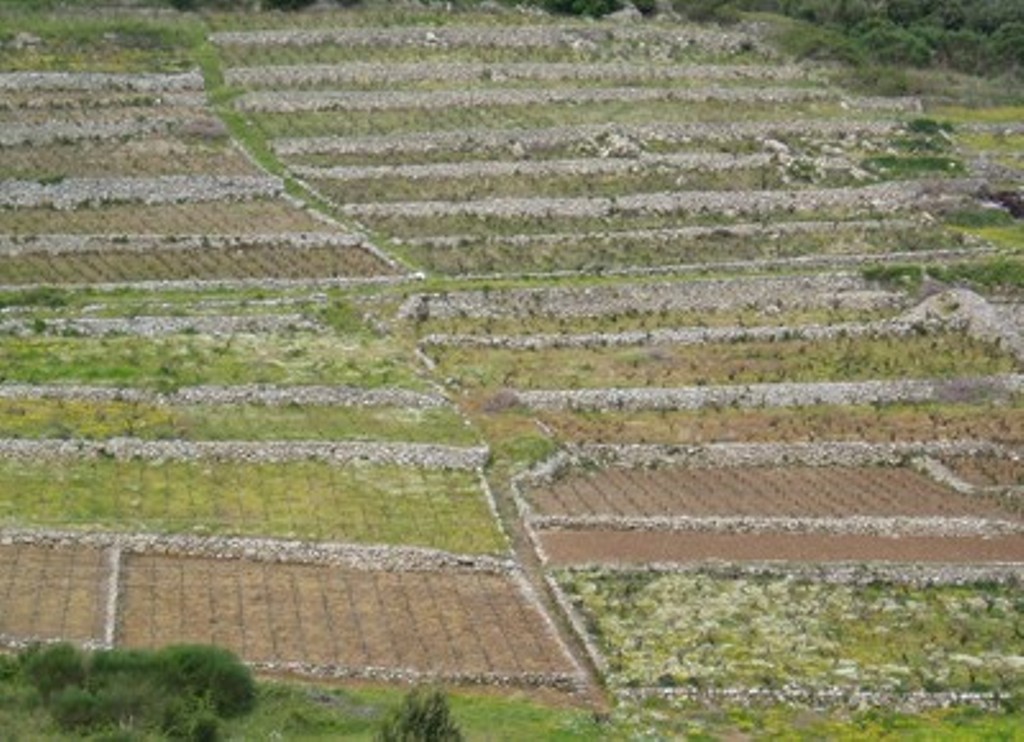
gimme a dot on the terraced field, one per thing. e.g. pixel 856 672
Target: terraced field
pixel 469 345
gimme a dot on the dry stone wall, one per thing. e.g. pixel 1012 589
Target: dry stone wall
pixel 243 394
pixel 336 452
pixel 783 293
pixel 74 192
pixel 987 388
pixel 853 133
pixel 366 73
pixel 882 198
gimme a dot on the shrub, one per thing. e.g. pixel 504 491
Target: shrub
pixel 286 4
pixel 210 673
pixel 707 11
pixel 180 691
pixel 424 716
pixel 592 8
pixel 53 668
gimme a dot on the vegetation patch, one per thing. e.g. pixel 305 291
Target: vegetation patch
pixel 939 355
pixel 701 631
pixel 878 424
pixel 175 361
pixel 50 418
pixel 311 500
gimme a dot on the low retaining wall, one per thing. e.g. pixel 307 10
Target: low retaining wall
pixel 243 394
pixel 75 192
pixel 336 452
pixel 985 388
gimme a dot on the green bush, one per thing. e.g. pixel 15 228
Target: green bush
pixel 210 673
pixel 707 11
pixel 181 691
pixel 592 8
pixel 424 716
pixel 53 668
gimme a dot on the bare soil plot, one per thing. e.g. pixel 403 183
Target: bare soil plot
pixel 238 262
pixel 138 156
pixel 792 491
pixel 51 593
pixel 988 471
pixel 808 424
pixel 645 547
pixel 447 623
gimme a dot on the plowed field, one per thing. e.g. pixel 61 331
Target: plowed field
pixel 643 547
pixel 52 593
pixel 759 491
pixel 451 623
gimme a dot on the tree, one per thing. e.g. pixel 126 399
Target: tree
pixel 424 716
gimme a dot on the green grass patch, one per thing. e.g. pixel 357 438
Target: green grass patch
pixel 1000 274
pixel 898 168
pixel 705 631
pixel 80 42
pixel 613 250
pixel 633 320
pixel 64 419
pixel 940 355
pixel 304 499
pixel 174 361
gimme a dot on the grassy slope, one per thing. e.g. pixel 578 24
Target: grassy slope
pixel 303 712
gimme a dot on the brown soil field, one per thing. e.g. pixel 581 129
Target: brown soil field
pixel 448 623
pixel 143 156
pixel 808 424
pixel 210 264
pixel 638 547
pixel 794 491
pixel 52 593
pixel 988 471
